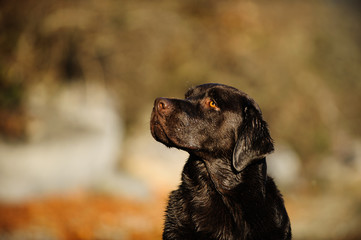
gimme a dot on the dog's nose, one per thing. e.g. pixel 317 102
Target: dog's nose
pixel 162 105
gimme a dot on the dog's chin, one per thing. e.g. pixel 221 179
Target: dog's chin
pixel 159 134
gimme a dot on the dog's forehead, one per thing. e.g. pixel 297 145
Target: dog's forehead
pixel 209 89
pixel 198 91
pixel 219 92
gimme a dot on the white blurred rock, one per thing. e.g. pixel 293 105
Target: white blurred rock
pixel 75 139
pixel 284 165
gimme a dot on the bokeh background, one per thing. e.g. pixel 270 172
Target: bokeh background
pixel 77 84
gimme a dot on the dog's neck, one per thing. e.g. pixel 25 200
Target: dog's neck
pixel 227 180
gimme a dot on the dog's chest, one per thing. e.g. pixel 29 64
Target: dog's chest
pixel 209 209
pixel 210 215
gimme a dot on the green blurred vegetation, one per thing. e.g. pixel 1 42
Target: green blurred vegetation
pixel 300 61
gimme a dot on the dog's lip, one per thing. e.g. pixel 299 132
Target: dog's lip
pixel 156 124
pixel 168 141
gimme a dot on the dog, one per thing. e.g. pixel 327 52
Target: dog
pixel 225 192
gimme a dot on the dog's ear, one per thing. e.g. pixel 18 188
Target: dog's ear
pixel 254 140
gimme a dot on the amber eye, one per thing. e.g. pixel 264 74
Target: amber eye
pixel 212 104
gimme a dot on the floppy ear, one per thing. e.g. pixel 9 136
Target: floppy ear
pixel 254 140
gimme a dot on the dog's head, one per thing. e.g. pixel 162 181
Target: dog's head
pixel 213 120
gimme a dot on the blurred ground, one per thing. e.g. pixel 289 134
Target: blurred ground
pixel 82 216
pixel 77 84
pixel 85 215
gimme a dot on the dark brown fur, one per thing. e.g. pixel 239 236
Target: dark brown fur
pixel 225 192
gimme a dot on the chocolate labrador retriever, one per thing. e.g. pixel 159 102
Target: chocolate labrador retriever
pixel 225 193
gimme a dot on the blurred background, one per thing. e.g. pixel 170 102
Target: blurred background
pixel 77 85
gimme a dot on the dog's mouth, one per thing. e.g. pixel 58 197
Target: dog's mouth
pixel 171 137
pixel 158 130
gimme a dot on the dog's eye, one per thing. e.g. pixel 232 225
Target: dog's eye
pixel 213 104
pixel 209 103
